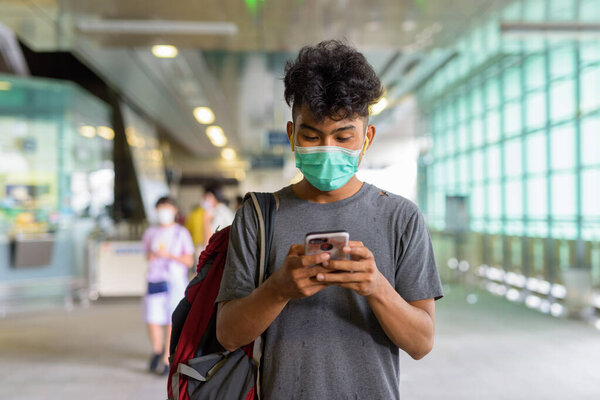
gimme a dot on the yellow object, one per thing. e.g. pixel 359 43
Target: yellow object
pixel 366 146
pixel 195 224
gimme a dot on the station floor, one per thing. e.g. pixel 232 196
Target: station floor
pixel 492 349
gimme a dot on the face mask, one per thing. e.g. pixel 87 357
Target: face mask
pixel 328 167
pixel 165 216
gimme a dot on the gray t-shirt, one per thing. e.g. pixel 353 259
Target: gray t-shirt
pixel 330 345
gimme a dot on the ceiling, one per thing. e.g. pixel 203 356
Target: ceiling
pixel 238 74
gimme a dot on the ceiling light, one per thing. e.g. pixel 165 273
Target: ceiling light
pixel 204 115
pixel 164 51
pixel 105 132
pixel 5 85
pixel 216 135
pixel 378 107
pixel 228 154
pixel 87 131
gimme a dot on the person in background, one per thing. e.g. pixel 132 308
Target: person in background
pixel 195 224
pixel 216 214
pixel 170 253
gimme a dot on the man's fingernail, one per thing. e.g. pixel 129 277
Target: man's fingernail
pixel 320 277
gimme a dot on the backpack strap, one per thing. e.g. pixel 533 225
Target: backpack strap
pixel 265 205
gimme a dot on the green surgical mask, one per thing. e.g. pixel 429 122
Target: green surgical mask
pixel 327 167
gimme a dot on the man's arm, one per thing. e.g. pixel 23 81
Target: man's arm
pixel 241 321
pixel 409 325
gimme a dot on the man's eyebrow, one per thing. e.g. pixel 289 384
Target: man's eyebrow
pixel 312 128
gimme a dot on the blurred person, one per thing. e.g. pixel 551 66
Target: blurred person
pixel 195 224
pixel 170 253
pixel 216 213
pixel 332 328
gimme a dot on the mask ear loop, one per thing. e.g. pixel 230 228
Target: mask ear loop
pixel 366 145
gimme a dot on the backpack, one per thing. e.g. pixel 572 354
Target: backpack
pixel 200 368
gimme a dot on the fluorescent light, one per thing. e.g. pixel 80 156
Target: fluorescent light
pixel 164 51
pixel 154 27
pixel 216 135
pixel 105 132
pixel 5 85
pixel 378 107
pixel 87 131
pixel 204 115
pixel 453 263
pixel 228 154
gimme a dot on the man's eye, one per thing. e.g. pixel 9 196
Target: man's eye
pixel 343 139
pixel 310 138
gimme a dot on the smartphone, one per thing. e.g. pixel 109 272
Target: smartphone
pixel 331 242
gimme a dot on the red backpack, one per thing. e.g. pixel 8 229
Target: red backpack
pixel 200 368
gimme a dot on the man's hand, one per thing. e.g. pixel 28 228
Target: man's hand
pixel 297 276
pixel 360 273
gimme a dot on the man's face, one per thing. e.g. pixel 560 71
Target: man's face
pixel 348 133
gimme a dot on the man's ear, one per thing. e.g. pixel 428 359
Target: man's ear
pixel 290 132
pixel 369 139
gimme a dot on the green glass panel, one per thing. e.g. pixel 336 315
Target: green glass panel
pixel 536 110
pixel 562 10
pixel 590 89
pixel 513 158
pixel 477 202
pixel 477 132
pixel 463 165
pixel 562 100
pixel 590 193
pixel 563 195
pixel 478 167
pixel 589 10
pixel 494 196
pixel 492 133
pixel 534 10
pixel 562 62
pixel 512 119
pixel 512 83
pixel 450 141
pixel 590 141
pixel 513 11
pixel 589 50
pixel 537 197
pixel 463 137
pixel 477 100
pixel 562 147
pixel 535 73
pixel 536 152
pixel 492 93
pixel 450 174
pixel 513 198
pixel 493 166
pixel 462 108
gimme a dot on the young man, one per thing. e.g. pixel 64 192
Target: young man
pixel 332 328
pixel 170 252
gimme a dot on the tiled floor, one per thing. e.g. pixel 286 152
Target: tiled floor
pixel 490 350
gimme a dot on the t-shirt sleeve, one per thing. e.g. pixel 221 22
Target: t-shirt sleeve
pixel 147 240
pixel 239 274
pixel 417 276
pixel 187 245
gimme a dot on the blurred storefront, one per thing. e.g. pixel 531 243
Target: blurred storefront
pixel 56 187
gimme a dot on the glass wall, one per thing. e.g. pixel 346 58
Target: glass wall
pixel 516 131
pixel 56 176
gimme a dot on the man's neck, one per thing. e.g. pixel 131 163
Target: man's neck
pixel 306 191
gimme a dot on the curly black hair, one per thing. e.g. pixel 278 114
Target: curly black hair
pixel 333 80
